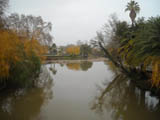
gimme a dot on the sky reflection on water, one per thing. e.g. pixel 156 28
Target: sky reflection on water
pixel 76 91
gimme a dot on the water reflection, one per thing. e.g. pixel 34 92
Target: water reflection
pixel 118 99
pixel 73 66
pixel 111 66
pixel 26 104
pixel 84 66
pixel 52 68
pixel 124 101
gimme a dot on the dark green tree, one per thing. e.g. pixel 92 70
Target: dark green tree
pixel 53 49
pixel 85 49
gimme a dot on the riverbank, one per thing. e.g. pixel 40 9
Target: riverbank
pixel 75 61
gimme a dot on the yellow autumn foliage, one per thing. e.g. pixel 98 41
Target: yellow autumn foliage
pixel 9 53
pixel 73 66
pixel 73 50
pixel 156 72
pixel 154 62
pixel 12 49
pixel 33 46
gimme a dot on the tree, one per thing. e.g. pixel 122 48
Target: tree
pixel 61 50
pixel 23 41
pixel 73 66
pixel 73 50
pixel 31 27
pixel 9 53
pixel 14 50
pixel 3 6
pixel 53 49
pixel 85 65
pixel 85 49
pixel 146 48
pixel 134 8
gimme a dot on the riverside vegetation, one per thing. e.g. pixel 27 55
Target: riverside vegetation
pixel 133 49
pixel 23 41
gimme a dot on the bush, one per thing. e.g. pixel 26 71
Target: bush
pixel 20 60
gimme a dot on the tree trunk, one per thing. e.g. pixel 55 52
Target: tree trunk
pixel 132 16
pixel 118 65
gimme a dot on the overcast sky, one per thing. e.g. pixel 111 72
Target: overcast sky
pixel 79 19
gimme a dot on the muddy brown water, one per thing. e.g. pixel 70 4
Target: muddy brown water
pixel 79 91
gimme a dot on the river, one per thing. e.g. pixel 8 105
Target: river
pixel 79 91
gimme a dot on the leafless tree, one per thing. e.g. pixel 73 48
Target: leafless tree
pixel 31 27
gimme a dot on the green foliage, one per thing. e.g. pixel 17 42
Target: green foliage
pixel 85 49
pixel 132 5
pixel 23 42
pixel 141 47
pixel 146 42
pixel 85 65
pixel 23 72
pixel 133 8
pixel 136 48
pixel 53 49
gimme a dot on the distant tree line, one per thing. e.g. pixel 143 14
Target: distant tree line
pixel 81 49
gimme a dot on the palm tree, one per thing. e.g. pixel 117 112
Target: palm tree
pixel 134 8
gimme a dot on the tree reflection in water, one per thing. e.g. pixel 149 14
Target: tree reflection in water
pixel 26 104
pixel 84 66
pixel 73 66
pixel 125 101
pixel 53 68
